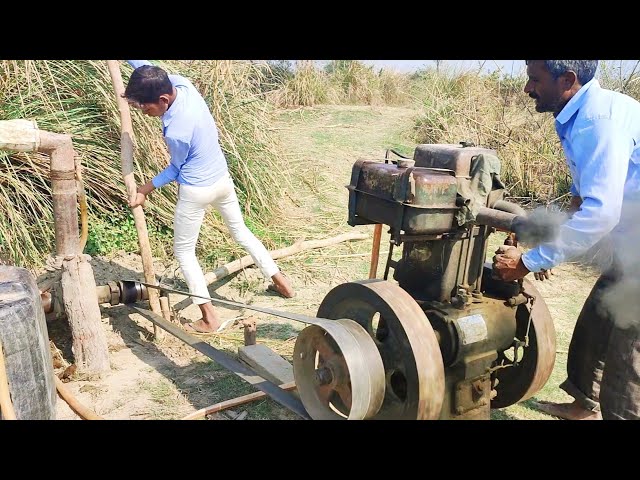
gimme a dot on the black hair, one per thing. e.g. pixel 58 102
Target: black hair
pixel 147 83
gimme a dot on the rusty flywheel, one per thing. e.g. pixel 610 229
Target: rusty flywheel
pixel 535 362
pixel 405 340
pixel 338 371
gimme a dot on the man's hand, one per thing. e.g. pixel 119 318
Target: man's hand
pixel 574 204
pixel 137 199
pixel 507 264
pixel 542 274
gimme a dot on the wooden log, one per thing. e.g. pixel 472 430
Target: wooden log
pixel 82 411
pixel 126 156
pixel 89 342
pixel 233 403
pixel 166 309
pixel 297 247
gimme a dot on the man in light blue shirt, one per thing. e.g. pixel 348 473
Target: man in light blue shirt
pixel 199 167
pixel 599 130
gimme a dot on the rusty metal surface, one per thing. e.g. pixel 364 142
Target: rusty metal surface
pixel 470 337
pixel 407 344
pixel 483 326
pixel 518 383
pixel 338 371
pixel 471 400
pixel 420 187
pixel 450 156
pixel 416 200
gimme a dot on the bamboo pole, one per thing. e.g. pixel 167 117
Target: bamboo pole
pixel 126 155
pixel 84 412
pixel 297 247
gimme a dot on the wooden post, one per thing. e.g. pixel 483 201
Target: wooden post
pixel 126 155
pixel 78 284
pixel 375 250
pixel 90 349
pixel 249 331
pixel 166 309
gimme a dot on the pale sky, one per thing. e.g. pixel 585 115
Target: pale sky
pixel 507 67
pixel 511 67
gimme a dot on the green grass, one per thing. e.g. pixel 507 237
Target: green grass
pixel 166 399
pixel 77 98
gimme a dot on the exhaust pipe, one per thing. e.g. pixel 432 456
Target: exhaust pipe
pixel 528 230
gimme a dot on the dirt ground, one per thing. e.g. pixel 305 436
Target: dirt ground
pixel 168 379
pixel 159 379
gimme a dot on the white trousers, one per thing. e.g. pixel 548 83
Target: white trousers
pixel 190 210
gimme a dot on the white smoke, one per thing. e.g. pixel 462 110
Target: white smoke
pixel 542 225
pixel 622 299
pixel 620 250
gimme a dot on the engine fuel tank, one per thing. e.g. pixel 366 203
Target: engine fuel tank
pixel 419 201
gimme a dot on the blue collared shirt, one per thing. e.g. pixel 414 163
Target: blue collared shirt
pixel 599 130
pixel 191 135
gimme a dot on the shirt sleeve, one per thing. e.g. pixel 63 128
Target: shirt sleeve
pixel 138 63
pixel 179 150
pixel 573 190
pixel 602 151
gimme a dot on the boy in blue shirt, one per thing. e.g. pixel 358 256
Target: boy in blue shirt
pixel 199 167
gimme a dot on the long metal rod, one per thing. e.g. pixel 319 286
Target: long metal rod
pixel 291 316
pixel 284 398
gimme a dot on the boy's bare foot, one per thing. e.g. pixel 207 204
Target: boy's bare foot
pixel 281 286
pixel 200 326
pixel 209 323
pixel 568 411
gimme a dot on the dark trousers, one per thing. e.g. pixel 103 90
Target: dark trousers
pixel 603 365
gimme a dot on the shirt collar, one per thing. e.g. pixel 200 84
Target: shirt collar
pixel 576 101
pixel 171 111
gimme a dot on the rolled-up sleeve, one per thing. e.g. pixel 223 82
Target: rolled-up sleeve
pixel 602 153
pixel 573 190
pixel 179 150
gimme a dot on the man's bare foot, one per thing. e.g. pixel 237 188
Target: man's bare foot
pixel 281 286
pixel 568 411
pixel 209 323
pixel 200 326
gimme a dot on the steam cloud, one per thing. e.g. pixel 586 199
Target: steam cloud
pixel 623 298
pixel 541 225
pixel 620 250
